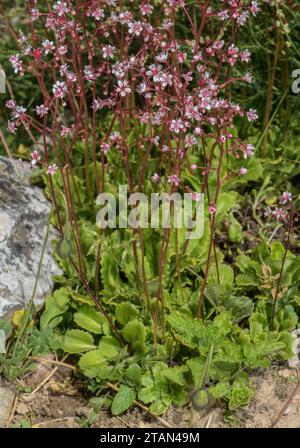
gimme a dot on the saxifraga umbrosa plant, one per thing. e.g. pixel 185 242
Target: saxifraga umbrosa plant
pixel 105 68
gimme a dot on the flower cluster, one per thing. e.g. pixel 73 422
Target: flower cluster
pixel 280 211
pixel 17 116
pixel 132 64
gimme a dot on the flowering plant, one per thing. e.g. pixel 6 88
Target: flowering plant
pixel 126 97
pixel 99 59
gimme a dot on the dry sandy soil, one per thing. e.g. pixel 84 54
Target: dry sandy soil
pixel 56 401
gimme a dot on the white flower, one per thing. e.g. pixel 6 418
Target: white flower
pixel 63 49
pixel 35 158
pixel 285 198
pixel 252 115
pixel 245 56
pixel 248 78
pixel 89 73
pixel 98 14
pixel 135 28
pixel 123 88
pixel 11 127
pixel 41 110
pixel 19 111
pixel 60 89
pixel 48 46
pixel 249 151
pixel 108 51
pixel 52 169
pixel 64 131
pixel 155 178
pixel 190 140
pixel 16 63
pixel 105 147
pixel 34 14
pixel 174 180
pixel 60 8
pixel 196 196
pixel 176 126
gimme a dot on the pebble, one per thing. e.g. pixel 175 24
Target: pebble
pixel 83 411
pixel 22 409
pixel 6 403
pixel 285 373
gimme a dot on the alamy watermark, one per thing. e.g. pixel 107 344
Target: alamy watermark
pixel 296 83
pixel 161 210
pixel 2 80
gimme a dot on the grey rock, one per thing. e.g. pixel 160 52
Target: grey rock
pixel 24 213
pixel 6 403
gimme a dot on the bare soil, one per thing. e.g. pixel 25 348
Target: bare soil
pixel 61 402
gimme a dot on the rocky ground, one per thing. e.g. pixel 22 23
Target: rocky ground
pixel 48 398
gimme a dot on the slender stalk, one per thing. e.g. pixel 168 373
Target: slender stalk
pixel 270 90
pixel 211 243
pixel 288 242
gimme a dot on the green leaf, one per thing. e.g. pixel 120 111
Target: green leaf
pixel 286 319
pixel 56 306
pixel 240 394
pixel 186 329
pixel 77 341
pixel 109 372
pixel 258 324
pixel 180 396
pixel 255 170
pixel 6 326
pixel 135 334
pixel 246 280
pixel 225 202
pixel 235 231
pixel 159 407
pixel 90 363
pixel 82 299
pixel 245 263
pixel 240 307
pixel 149 391
pixel 201 376
pixel 196 366
pixel 225 275
pixel 125 312
pixel 110 276
pixel 123 400
pixel 90 319
pixel 277 250
pixel 134 374
pixel 220 390
pixel 87 235
pixel 109 347
pixel 176 375
pixel 148 394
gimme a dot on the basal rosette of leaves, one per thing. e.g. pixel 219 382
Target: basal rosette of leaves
pixel 174 372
